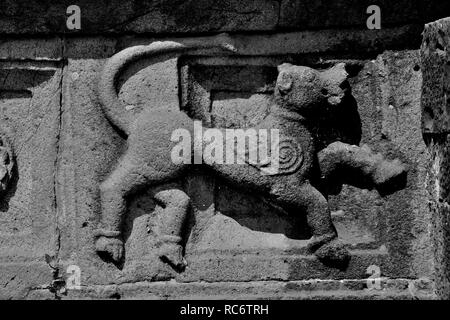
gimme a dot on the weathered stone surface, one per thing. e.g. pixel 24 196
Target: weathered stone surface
pixel 435 127
pixel 89 147
pixel 40 49
pixel 233 236
pixel 284 43
pixel 438 191
pixel 388 89
pixel 350 13
pixel 435 53
pixel 30 102
pixel 194 16
pixel 198 235
pixel 295 290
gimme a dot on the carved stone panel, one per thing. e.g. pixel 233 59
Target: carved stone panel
pixel 151 155
pixel 30 102
pixel 221 230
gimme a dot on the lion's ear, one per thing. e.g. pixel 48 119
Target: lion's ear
pixel 284 66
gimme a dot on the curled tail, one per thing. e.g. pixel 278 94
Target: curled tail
pixel 115 111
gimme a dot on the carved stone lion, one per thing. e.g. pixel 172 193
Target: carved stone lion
pixel 301 94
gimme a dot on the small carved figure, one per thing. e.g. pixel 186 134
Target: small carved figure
pixel 301 94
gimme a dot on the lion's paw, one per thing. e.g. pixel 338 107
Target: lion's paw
pixel 389 171
pixel 333 253
pixel 172 253
pixel 111 246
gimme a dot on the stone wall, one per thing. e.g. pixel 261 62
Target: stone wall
pixel 61 148
pixel 435 126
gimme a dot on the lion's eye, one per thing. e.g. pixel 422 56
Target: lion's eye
pixel 284 83
pixel 309 75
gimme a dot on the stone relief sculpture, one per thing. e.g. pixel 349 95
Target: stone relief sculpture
pixel 301 95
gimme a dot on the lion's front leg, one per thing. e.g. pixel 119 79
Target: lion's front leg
pixel 324 242
pixel 346 160
pixel 318 217
pixel 307 199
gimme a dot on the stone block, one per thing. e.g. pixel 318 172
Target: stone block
pixel 436 77
pixel 30 104
pixel 86 128
pixel 435 126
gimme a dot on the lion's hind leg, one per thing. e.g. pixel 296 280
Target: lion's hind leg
pixel 129 176
pixel 176 205
pixel 126 178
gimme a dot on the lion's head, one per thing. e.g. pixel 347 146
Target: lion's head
pixel 306 90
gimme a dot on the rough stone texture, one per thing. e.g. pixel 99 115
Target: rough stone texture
pixel 301 94
pixel 19 17
pixel 264 253
pixel 193 16
pixel 236 243
pixel 30 102
pixel 349 13
pixel 435 59
pixel 404 289
pixel 234 236
pixel 393 82
pixel 435 126
pixel 437 186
